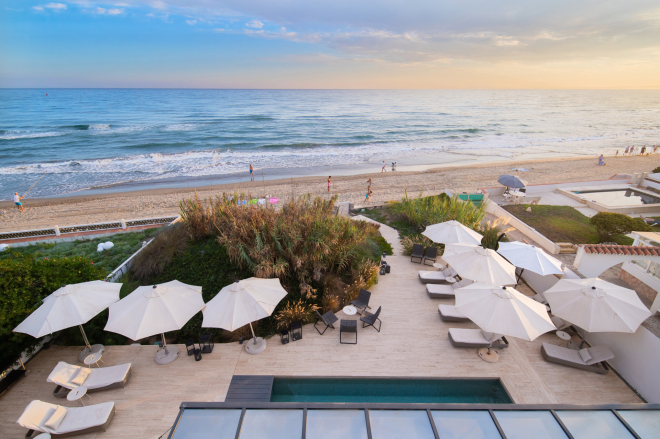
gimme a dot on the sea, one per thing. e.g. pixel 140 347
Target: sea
pixel 86 141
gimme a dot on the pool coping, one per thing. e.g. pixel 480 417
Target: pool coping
pixel 599 207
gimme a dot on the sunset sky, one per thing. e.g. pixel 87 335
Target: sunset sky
pixel 331 44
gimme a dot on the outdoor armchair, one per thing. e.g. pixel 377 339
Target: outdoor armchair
pixel 362 301
pixel 328 320
pixel 417 253
pixel 369 319
pixel 431 254
pixel 42 417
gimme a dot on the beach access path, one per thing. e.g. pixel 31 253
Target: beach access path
pixel 76 210
pixel 413 342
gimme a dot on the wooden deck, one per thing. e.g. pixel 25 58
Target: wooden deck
pixel 413 342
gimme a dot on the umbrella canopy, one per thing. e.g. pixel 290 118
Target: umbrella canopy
pixel 156 309
pixel 504 311
pixel 596 305
pixel 452 232
pixel 243 302
pixel 530 258
pixel 71 305
pixel 512 181
pixel 480 264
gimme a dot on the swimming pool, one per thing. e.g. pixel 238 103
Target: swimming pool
pixel 386 390
pixel 618 197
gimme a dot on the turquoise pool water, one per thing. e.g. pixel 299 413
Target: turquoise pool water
pixel 382 390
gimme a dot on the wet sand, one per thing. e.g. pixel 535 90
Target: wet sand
pixel 75 210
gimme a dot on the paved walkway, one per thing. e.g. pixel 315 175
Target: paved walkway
pixel 413 342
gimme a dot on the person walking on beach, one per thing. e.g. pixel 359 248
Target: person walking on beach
pixel 251 172
pixel 329 181
pixel 17 202
pixel 632 149
pixel 643 150
pixel 369 185
pixel 617 153
pixel 383 170
pixel 626 150
pixel 655 149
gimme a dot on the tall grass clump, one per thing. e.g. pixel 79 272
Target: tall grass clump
pixel 421 212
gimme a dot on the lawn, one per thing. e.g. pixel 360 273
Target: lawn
pixel 125 244
pixel 560 224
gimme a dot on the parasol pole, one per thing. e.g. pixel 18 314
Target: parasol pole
pixel 34 184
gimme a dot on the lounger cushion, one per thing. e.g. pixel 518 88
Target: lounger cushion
pixel 432 276
pixel 56 418
pixel 599 354
pixel 585 355
pixel 440 291
pixel 561 353
pixel 471 336
pixel 80 418
pixel 64 373
pixel 450 311
pixel 80 376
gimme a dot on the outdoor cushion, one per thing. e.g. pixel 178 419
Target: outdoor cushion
pixel 490 336
pixel 471 336
pixel 432 277
pixel 37 413
pixel 440 291
pixel 450 311
pixel 273 201
pixel 262 201
pixel 585 355
pixel 56 418
pixel 80 376
pixel 599 354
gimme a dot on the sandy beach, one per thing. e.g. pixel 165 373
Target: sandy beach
pixel 75 210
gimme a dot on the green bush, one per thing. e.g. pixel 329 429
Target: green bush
pixel 421 212
pixel 656 170
pixel 24 282
pixel 385 246
pixel 609 224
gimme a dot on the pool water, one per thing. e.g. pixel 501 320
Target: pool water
pixel 385 390
pixel 619 197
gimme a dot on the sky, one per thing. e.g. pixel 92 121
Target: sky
pixel 509 44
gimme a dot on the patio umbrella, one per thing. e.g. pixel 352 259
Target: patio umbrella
pixel 452 232
pixel 479 264
pixel 528 257
pixel 512 181
pixel 596 305
pixel 242 303
pixel 71 305
pixel 156 309
pixel 502 311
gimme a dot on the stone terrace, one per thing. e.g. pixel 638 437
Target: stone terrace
pixel 413 342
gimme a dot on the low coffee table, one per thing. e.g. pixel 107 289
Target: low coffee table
pixel 350 310
pixel 77 394
pixel 93 359
pixel 563 335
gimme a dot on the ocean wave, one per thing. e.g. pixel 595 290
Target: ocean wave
pixel 14 135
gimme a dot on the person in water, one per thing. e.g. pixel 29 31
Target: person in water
pixel 251 172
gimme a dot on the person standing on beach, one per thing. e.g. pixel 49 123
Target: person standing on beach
pixel 383 170
pixel 251 172
pixel 632 149
pixel 329 181
pixel 369 185
pixel 17 202
pixel 626 150
pixel 643 150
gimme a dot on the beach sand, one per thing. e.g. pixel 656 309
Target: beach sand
pixel 77 210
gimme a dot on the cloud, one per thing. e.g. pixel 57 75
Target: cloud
pixel 56 6
pixel 191 22
pixel 256 24
pixel 38 8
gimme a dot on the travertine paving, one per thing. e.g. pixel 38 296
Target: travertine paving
pixel 413 342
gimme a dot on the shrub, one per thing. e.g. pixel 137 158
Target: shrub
pixel 385 246
pixel 24 282
pixel 421 212
pixel 170 242
pixel 656 170
pixel 609 224
pixel 491 232
pixel 408 241
pixel 295 312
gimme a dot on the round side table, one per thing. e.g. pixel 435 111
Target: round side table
pixel 350 310
pixel 93 359
pixel 563 335
pixel 77 393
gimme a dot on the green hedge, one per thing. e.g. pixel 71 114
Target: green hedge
pixel 24 282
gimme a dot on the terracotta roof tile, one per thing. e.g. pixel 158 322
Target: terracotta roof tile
pixel 627 250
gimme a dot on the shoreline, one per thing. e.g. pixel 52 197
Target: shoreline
pixel 113 206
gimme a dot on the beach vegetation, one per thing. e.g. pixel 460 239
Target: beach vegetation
pixel 420 212
pixel 610 224
pixel 25 280
pixel 493 232
pixel 408 241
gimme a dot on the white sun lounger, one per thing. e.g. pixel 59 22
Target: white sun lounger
pixel 102 378
pixel 474 338
pixel 591 359
pixel 42 417
pixel 446 291
pixel 448 313
pixel 432 277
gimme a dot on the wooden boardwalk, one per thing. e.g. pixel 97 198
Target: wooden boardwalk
pixel 413 342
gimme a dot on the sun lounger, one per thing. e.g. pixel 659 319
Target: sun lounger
pixel 42 417
pixel 446 291
pixel 650 221
pixel 448 313
pixel 432 277
pixel 474 338
pixel 68 376
pixel 591 359
pixel 417 253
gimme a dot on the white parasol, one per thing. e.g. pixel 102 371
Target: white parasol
pixel 452 232
pixel 479 264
